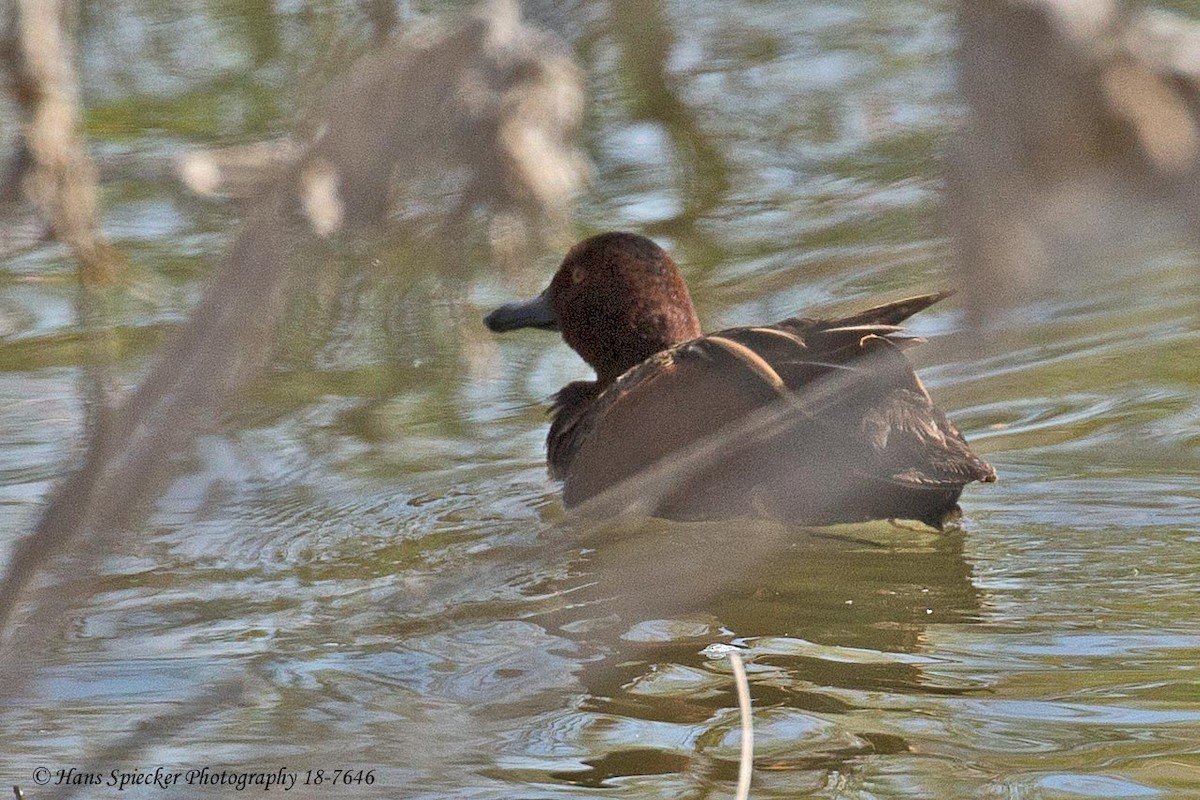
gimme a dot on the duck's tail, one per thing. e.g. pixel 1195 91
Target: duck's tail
pixel 895 312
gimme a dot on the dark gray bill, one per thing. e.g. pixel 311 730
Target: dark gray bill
pixel 535 313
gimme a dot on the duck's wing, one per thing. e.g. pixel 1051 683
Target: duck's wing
pixel 851 373
pixel 832 344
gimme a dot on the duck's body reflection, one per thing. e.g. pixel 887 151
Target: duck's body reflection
pixel 824 615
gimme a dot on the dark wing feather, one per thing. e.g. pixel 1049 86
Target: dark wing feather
pixel 888 313
pixel 854 381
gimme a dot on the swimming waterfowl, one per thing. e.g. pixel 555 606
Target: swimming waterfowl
pixel 809 420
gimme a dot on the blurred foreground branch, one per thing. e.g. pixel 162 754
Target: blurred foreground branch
pixel 51 166
pixel 479 113
pixel 1084 126
pixel 428 98
pixel 226 342
pixel 53 171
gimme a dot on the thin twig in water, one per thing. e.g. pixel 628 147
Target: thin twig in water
pixel 746 759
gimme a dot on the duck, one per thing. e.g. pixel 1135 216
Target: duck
pixel 808 420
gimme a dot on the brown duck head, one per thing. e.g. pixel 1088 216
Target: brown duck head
pixel 617 299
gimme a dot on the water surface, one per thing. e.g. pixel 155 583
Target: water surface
pixel 373 544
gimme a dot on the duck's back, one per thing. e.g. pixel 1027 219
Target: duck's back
pixel 817 421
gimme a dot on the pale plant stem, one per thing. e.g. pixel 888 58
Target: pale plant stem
pixel 746 758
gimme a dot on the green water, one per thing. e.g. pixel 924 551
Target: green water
pixel 372 543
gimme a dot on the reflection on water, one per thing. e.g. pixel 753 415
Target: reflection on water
pixel 376 548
